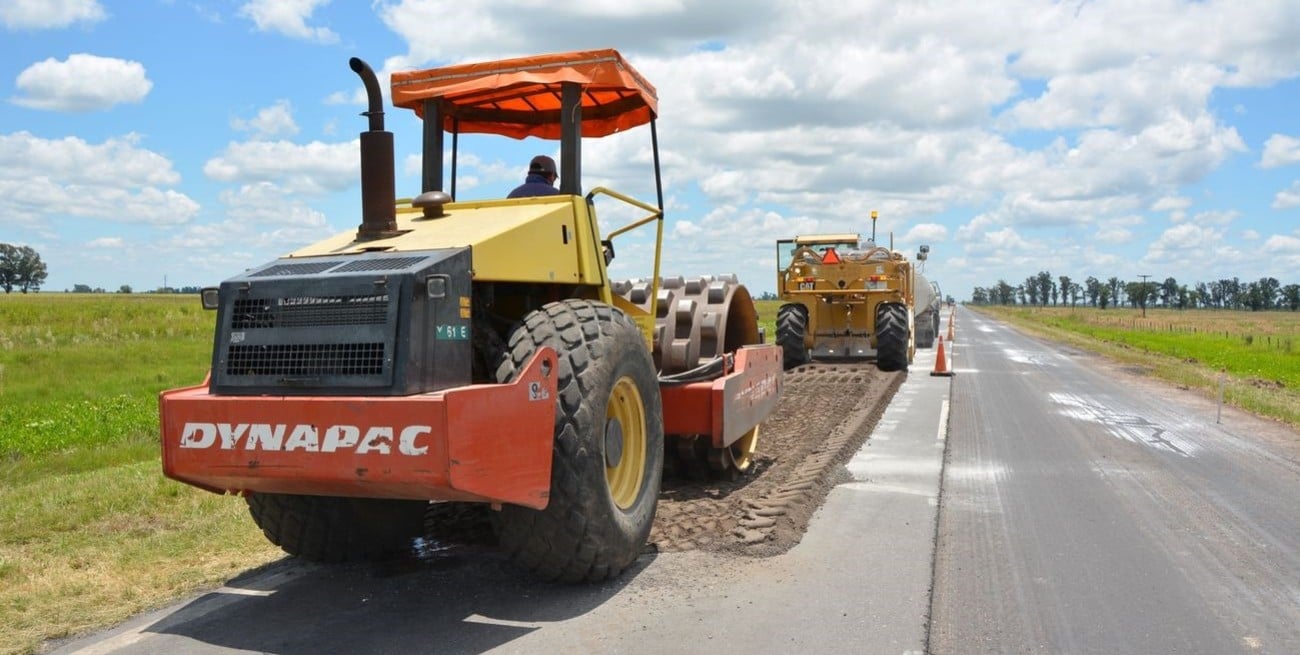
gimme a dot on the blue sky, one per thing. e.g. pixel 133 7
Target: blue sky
pixel 152 140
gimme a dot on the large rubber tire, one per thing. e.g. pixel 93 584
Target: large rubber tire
pixel 891 338
pixel 599 516
pixel 791 326
pixel 338 529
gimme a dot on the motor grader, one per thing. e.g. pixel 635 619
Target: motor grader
pixel 475 350
pixel 845 299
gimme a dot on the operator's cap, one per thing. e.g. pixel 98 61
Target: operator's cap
pixel 542 164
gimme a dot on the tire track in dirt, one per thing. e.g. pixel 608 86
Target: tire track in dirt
pixel 824 415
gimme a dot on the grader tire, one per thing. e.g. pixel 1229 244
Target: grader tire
pixel 891 338
pixel 602 503
pixel 791 327
pixel 338 529
pixel 925 334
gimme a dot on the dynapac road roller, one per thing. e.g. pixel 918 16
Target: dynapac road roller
pixel 476 350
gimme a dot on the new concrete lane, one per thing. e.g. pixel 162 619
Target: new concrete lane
pixel 1089 510
pixel 859 582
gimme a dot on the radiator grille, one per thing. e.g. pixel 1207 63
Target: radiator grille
pixel 308 311
pixel 307 268
pixel 387 264
pixel 303 360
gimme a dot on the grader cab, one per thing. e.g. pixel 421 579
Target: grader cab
pixel 844 299
pixel 475 350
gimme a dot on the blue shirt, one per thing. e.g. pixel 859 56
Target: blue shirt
pixel 534 185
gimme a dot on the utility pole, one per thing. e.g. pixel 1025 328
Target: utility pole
pixel 1144 294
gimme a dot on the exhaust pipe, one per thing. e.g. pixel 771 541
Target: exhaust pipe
pixel 378 184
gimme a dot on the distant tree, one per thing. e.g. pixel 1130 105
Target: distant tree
pixel 1103 296
pixel 1202 297
pixel 8 267
pixel 1005 293
pixel 979 296
pixel 1269 288
pixel 125 288
pixel 1115 285
pixel 1169 292
pixel 1075 292
pixel 1029 291
pixel 1290 297
pixel 81 288
pixel 1065 289
pixel 1092 290
pixel 1046 287
pixel 21 267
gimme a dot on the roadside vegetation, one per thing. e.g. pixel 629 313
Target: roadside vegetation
pixel 90 530
pixel 1256 353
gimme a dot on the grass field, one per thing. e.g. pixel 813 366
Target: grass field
pixel 1257 352
pixel 90 531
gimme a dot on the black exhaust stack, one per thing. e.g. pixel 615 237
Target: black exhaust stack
pixel 378 185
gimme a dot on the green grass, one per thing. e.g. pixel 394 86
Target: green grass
pixel 767 317
pixel 85 370
pixel 90 530
pixel 1259 352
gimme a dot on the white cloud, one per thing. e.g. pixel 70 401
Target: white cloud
pixel 1216 217
pixel 1280 150
pixel 927 233
pixel 264 203
pixel 1282 244
pixel 49 14
pixel 117 181
pixel 288 17
pixel 83 82
pixel 1287 198
pixel 1250 235
pixel 314 168
pixel 270 122
pixel 107 243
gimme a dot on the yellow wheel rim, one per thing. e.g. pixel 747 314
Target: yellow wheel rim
pixel 742 450
pixel 625 417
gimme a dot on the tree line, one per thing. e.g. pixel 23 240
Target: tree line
pixel 1041 289
pixel 21 268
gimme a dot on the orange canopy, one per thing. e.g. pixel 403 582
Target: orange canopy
pixel 521 97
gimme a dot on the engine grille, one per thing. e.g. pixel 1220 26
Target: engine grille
pixel 308 311
pixel 356 324
pixel 306 360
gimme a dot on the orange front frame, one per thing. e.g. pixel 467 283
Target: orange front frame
pixel 487 443
pixel 727 408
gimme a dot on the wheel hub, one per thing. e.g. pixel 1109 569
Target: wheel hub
pixel 613 442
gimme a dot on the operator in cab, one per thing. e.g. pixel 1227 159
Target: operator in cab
pixel 540 181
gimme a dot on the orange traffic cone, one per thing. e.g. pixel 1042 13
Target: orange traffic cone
pixel 941 362
pixel 951 329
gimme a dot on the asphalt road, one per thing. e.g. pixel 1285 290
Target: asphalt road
pixel 1088 510
pixel 858 582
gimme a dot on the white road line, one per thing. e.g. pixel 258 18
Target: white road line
pixel 943 422
pixel 236 591
pixel 484 620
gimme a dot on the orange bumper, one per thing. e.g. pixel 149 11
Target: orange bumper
pixel 728 407
pixel 487 443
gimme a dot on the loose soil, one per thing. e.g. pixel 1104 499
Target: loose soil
pixel 824 415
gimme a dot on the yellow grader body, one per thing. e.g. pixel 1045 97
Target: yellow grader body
pixel 844 299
